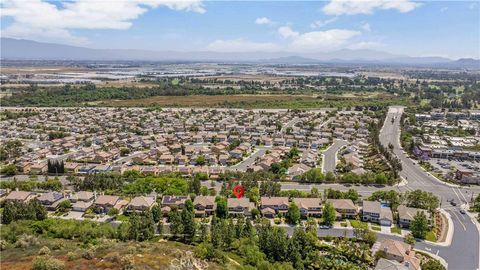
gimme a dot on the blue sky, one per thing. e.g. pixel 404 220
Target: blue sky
pixel 407 27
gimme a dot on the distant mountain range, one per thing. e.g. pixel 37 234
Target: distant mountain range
pixel 20 49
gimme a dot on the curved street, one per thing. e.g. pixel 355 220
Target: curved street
pixel 463 253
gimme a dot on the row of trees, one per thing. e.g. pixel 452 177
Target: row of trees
pixel 55 166
pixel 13 211
pixel 417 199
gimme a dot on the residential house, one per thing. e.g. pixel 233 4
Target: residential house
pixel 398 251
pixel 141 203
pixel 204 205
pixel 20 196
pixel 384 264
pixel 168 201
pixel 51 200
pixel 240 206
pixel 82 200
pixel 407 214
pixel 271 206
pixel 375 212
pixel 345 208
pixel 104 203
pixel 309 206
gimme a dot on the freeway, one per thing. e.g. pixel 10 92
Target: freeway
pixel 330 155
pixel 464 251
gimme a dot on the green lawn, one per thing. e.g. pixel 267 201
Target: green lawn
pixel 376 228
pixel 431 237
pixel 343 224
pixel 122 218
pixel 359 224
pixel 396 230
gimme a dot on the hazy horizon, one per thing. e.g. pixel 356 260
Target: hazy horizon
pixel 400 27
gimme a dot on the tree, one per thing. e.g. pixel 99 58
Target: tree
pixel 329 214
pixel 142 226
pixel 253 194
pixel 293 214
pixel 9 170
pixel 419 225
pixel 330 177
pixel 366 235
pixel 156 213
pixel 124 151
pixel 409 239
pixel 195 184
pixel 422 199
pixel 64 206
pixel 175 219
pixel 222 209
pixel 113 212
pixel 188 221
pixel 433 264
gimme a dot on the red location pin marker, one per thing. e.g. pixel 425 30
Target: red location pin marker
pixel 238 191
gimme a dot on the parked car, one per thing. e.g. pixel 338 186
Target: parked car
pixel 453 203
pixel 462 212
pixel 324 227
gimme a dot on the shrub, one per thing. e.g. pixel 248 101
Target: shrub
pixel 26 241
pixel 127 262
pixel 71 256
pixel 44 251
pixel 3 245
pixel 47 263
pixel 88 254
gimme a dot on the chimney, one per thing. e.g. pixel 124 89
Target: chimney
pixel 407 264
pixel 385 249
pixel 95 195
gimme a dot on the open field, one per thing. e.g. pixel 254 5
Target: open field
pixel 204 100
pixel 254 101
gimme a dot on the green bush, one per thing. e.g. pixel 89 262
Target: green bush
pixel 47 263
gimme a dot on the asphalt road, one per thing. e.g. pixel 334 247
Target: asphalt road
pixel 244 164
pixel 330 156
pixel 463 253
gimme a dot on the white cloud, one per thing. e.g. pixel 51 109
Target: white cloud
pixel 241 45
pixel 287 32
pixel 322 40
pixel 472 5
pixel 46 21
pixel 319 24
pixel 443 9
pixel 365 45
pixel 350 7
pixel 263 20
pixel 366 27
